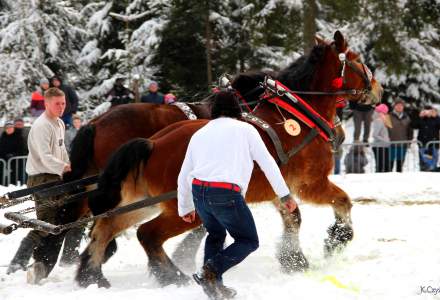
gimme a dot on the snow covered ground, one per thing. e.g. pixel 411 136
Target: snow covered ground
pixel 395 252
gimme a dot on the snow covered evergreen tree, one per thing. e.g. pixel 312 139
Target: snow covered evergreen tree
pixel 37 39
pixel 399 39
pixel 188 44
pixel 123 36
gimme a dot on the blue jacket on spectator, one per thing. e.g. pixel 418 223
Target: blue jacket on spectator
pixel 156 98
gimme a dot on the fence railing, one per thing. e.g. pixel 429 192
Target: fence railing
pixel 3 171
pixel 405 156
pixel 13 171
pixel 400 156
pixel 16 170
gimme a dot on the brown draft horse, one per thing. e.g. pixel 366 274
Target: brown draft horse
pixel 97 140
pixel 149 167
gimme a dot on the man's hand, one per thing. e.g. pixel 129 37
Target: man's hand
pixel 67 168
pixel 190 217
pixel 290 205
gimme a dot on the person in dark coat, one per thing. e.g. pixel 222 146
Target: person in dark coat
pixel 21 129
pixel 153 95
pixel 71 99
pixel 362 114
pixel 355 160
pixel 428 125
pixel 12 144
pixel 399 131
pixel 119 94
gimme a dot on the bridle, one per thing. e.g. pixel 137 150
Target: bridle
pixel 340 81
pixel 337 83
pixel 365 73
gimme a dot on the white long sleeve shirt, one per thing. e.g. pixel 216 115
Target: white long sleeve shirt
pixel 47 152
pixel 223 151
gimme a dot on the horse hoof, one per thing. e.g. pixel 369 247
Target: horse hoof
pixel 183 280
pixel 177 278
pixel 339 236
pixel 104 283
pixel 293 262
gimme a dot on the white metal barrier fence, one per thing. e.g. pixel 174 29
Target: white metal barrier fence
pixel 400 156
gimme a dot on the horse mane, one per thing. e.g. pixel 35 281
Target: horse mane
pixel 299 74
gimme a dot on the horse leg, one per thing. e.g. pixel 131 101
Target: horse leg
pixel 91 260
pixel 289 253
pixel 152 235
pixel 325 192
pixel 103 245
pixel 185 253
pixel 341 232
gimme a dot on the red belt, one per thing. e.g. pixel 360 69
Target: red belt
pixel 222 185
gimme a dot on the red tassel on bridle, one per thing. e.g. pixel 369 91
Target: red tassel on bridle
pixel 337 83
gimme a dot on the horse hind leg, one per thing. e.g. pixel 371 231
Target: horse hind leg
pixel 102 245
pixel 289 252
pixel 91 260
pixel 152 235
pixel 185 253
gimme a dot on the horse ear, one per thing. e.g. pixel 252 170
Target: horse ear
pixel 320 41
pixel 340 43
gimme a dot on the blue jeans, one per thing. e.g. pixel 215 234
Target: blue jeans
pixel 224 210
pixel 426 163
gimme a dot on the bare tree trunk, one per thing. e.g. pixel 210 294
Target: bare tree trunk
pixel 208 46
pixel 310 15
pixel 135 89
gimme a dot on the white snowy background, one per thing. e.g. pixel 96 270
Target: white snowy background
pixel 395 251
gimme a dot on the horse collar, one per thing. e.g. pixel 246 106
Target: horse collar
pixel 186 109
pixel 283 157
pixel 281 96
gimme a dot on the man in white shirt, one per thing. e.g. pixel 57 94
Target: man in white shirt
pixel 47 161
pixel 213 181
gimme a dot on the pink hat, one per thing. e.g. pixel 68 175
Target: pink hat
pixel 381 108
pixel 169 98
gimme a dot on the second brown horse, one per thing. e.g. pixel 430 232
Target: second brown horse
pixel 150 167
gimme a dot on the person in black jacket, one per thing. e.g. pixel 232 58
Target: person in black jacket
pixel 119 94
pixel 153 95
pixel 362 114
pixel 12 144
pixel 71 99
pixel 428 124
pixel 356 160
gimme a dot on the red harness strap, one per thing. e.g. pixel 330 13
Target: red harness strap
pixel 301 116
pixel 222 185
pixel 237 93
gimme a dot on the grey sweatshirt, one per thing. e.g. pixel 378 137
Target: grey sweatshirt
pixel 47 152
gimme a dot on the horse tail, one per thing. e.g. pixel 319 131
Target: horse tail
pixel 82 152
pixel 129 158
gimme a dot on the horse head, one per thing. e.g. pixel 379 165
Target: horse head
pixel 330 70
pixel 344 71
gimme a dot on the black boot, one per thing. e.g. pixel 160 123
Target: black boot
pixel 207 279
pixel 21 258
pixel 212 286
pixel 72 242
pixel 226 291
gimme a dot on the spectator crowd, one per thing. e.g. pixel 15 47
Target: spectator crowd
pixel 389 130
pixel 13 139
